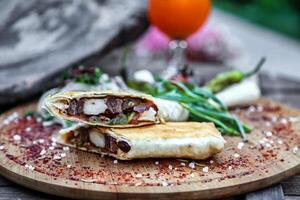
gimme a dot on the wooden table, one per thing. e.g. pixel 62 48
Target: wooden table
pixel 277 88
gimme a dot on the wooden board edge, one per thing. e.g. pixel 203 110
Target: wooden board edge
pixel 80 193
pixel 54 189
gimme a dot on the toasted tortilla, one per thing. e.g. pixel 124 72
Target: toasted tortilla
pixel 58 103
pixel 190 140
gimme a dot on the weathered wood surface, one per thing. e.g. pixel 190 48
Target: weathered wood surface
pixel 40 39
pixel 271 193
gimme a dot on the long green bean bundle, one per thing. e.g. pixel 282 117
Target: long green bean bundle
pixel 202 104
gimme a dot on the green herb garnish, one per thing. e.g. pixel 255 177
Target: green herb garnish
pixel 94 119
pixel 130 117
pixel 86 78
pixel 29 113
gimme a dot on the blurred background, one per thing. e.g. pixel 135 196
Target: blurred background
pixel 280 15
pixel 40 39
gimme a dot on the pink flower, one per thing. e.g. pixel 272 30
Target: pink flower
pixel 153 40
pixel 210 43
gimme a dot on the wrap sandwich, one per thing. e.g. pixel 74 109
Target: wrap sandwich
pixel 191 140
pixel 104 108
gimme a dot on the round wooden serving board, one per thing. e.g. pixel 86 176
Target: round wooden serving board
pixel 30 158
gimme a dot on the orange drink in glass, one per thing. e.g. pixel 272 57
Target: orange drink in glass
pixel 178 19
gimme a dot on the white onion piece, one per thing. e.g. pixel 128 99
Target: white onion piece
pixel 240 94
pixel 143 76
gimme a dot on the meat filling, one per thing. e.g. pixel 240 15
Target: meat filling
pixel 82 138
pixel 112 110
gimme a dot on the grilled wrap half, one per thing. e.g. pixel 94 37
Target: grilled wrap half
pixel 104 108
pixel 177 140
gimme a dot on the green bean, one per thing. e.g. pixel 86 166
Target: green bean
pixel 210 95
pixel 241 130
pixel 210 119
pixel 201 104
pixel 180 97
pixel 193 94
pixel 222 116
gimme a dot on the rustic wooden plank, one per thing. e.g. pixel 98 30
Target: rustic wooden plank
pixel 292 197
pixel 4 182
pixel 17 192
pixel 289 99
pixel 292 186
pixel 271 193
pixel 270 83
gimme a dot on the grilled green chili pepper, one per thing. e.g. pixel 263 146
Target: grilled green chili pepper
pixel 225 79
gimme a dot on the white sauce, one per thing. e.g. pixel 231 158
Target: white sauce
pixel 94 106
pixel 97 139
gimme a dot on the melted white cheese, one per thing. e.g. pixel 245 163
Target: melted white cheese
pixel 97 139
pixel 148 115
pixel 94 106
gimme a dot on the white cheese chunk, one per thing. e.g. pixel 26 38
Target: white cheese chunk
pixel 94 106
pixel 97 139
pixel 148 115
